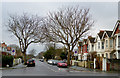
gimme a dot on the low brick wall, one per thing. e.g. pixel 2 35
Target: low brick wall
pixel 79 63
pixel 82 63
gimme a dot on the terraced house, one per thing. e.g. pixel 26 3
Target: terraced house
pixel 105 44
pixel 116 41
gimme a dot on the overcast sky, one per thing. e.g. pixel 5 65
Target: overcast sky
pixel 105 15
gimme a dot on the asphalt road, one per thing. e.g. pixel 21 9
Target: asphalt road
pixel 44 69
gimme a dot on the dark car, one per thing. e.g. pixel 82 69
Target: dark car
pixel 42 60
pixel 31 62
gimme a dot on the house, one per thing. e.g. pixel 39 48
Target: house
pixel 85 49
pixel 80 50
pixel 91 44
pixel 108 43
pixel 5 50
pixel 99 44
pixel 116 42
pixel 91 47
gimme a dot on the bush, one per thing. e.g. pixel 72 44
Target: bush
pixel 7 59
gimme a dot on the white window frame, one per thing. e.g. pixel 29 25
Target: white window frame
pixel 98 45
pixel 102 45
pixel 111 43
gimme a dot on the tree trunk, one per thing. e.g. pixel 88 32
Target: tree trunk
pixel 25 61
pixel 68 59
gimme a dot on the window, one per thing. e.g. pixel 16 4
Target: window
pixel 92 47
pixel 98 45
pixel 81 49
pixel 106 55
pixel 87 48
pixel 119 27
pixel 102 55
pixel 111 43
pixel 84 48
pixel 98 55
pixel 106 43
pixel 115 42
pixel 118 40
pixel 102 45
pixel 118 54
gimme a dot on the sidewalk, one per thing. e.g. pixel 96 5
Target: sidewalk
pixel 83 69
pixel 14 67
pixel 90 70
pixel 18 66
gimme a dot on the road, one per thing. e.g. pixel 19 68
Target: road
pixel 44 69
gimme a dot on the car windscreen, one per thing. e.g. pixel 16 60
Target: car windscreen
pixel 61 62
pixel 30 60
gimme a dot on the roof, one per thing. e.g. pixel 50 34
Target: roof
pixel 109 33
pixel 116 25
pixel 92 39
pixel 8 48
pixel 85 40
pixel 3 45
pixel 100 34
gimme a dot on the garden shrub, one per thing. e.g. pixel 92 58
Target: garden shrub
pixel 7 59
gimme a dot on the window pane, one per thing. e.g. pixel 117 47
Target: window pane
pixel 111 43
pixel 106 43
pixel 119 40
pixel 102 45
pixel 98 45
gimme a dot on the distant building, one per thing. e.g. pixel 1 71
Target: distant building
pixel 5 50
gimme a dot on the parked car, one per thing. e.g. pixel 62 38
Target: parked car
pixel 42 60
pixel 54 62
pixel 62 64
pixel 50 61
pixel 31 62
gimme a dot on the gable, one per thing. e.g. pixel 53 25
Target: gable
pixel 117 29
pixel 105 35
pixel 97 38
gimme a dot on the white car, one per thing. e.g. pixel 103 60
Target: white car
pixel 49 61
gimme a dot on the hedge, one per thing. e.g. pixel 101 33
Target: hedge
pixel 7 59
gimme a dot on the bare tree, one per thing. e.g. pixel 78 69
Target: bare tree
pixel 67 26
pixel 27 29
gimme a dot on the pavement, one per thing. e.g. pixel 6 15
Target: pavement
pixel 78 68
pixel 14 67
pixel 19 66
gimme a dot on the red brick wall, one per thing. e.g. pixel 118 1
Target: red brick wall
pixel 117 30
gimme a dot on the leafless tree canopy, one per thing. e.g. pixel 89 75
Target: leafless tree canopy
pixel 27 29
pixel 68 25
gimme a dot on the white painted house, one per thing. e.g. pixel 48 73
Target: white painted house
pixel 108 43
pixel 99 44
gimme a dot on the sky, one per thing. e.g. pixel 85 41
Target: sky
pixel 104 14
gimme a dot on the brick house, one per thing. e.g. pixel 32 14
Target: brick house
pixel 116 42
